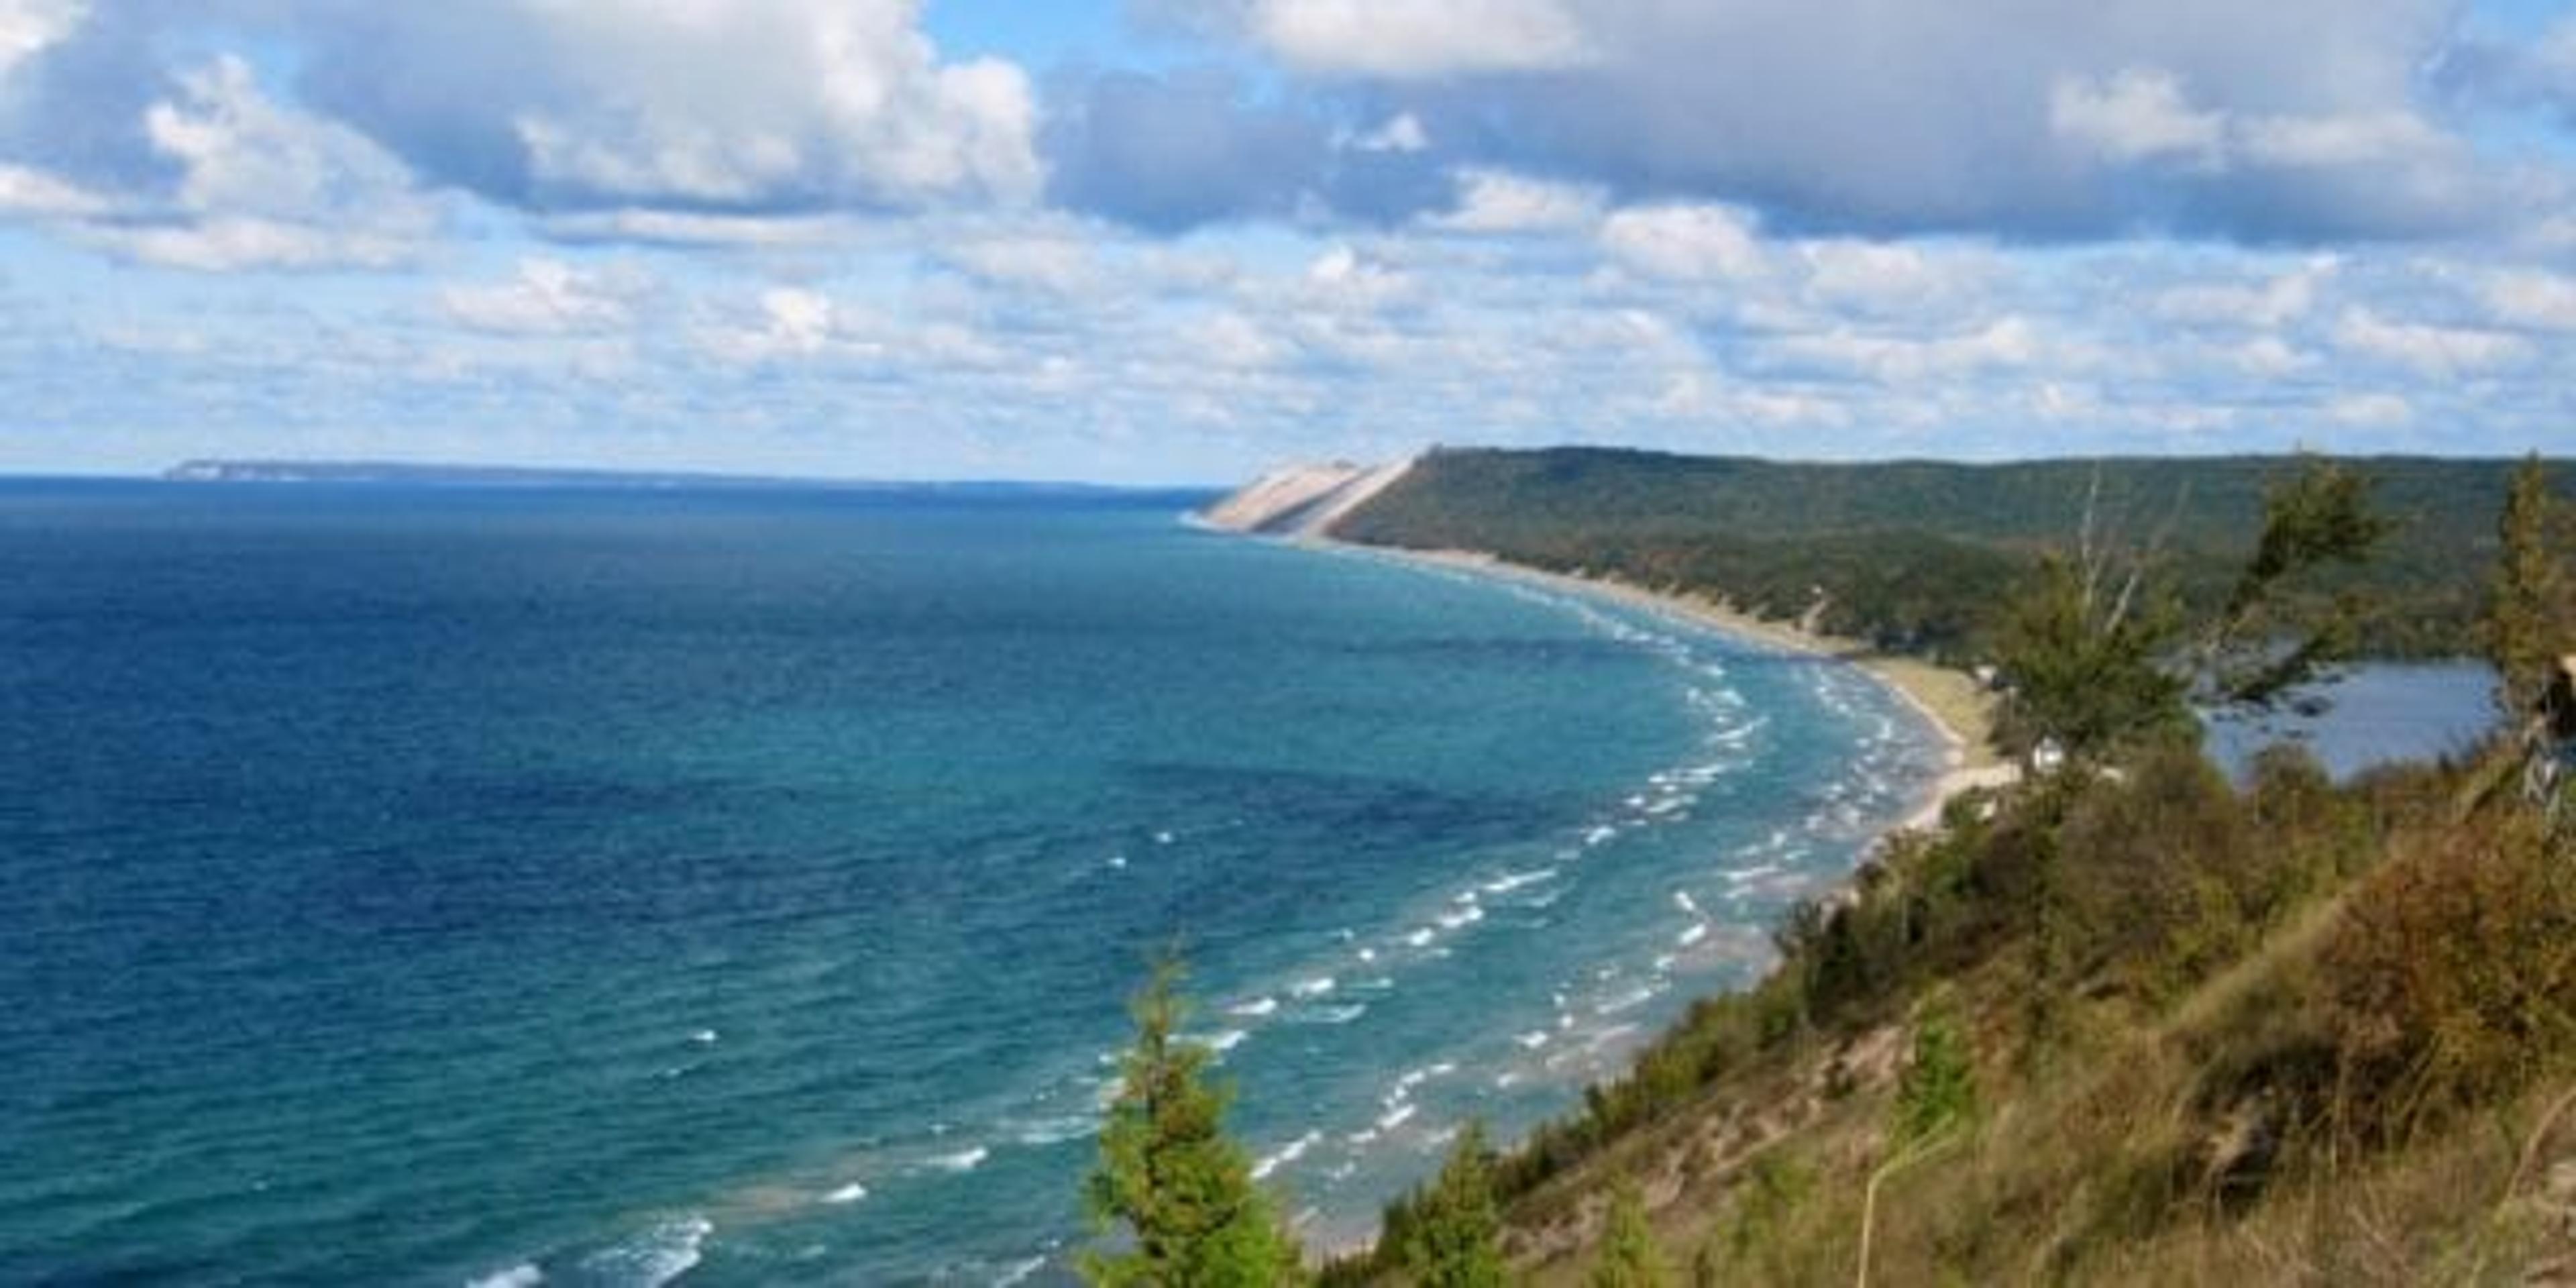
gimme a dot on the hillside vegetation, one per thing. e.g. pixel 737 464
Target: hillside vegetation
pixel 2126 1022
pixel 1914 555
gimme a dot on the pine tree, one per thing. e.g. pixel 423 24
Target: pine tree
pixel 1170 1176
pixel 2527 610
pixel 1454 1238
pixel 1629 1258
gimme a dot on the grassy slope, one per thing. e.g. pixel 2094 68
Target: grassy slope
pixel 2292 1034
pixel 2297 1033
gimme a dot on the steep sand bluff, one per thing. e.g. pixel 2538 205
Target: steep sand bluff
pixel 1302 500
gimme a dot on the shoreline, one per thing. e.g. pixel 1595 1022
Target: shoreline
pixel 1958 709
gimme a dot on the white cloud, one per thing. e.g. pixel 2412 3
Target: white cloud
pixel 1498 201
pixel 755 102
pixel 549 297
pixel 1684 243
pixel 1060 263
pixel 27 26
pixel 2324 142
pixel 1884 277
pixel 2533 298
pixel 2264 304
pixel 1407 39
pixel 33 192
pixel 2005 343
pixel 2370 411
pixel 2137 114
pixel 259 186
pixel 2431 350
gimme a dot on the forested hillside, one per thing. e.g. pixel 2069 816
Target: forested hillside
pixel 1913 555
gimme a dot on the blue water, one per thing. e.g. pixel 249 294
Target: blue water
pixel 409 886
pixel 2367 715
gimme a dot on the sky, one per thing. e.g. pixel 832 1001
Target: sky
pixel 1178 241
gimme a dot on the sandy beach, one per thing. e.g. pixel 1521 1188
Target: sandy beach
pixel 1959 709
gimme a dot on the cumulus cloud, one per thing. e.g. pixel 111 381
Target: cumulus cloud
pixel 1684 243
pixel 2535 298
pixel 252 184
pixel 739 104
pixel 1408 39
pixel 1498 201
pixel 1174 150
pixel 2430 349
pixel 2303 120
pixel 27 26
pixel 549 297
pixel 2136 115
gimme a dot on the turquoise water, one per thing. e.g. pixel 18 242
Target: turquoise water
pixel 411 886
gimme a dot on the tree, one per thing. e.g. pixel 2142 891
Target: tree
pixel 2527 625
pixel 1454 1239
pixel 2099 654
pixel 1629 1258
pixel 2263 643
pixel 1169 1175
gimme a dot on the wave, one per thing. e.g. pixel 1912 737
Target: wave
pixel 1310 988
pixel 1254 1009
pixel 1056 1131
pixel 1285 1155
pixel 522 1275
pixel 1342 1014
pixel 663 1254
pixel 850 1193
pixel 1019 1272
pixel 1226 1041
pixel 1510 881
pixel 964 1160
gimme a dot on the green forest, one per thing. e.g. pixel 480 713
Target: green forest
pixel 1912 556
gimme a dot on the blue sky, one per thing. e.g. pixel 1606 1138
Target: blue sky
pixel 1179 240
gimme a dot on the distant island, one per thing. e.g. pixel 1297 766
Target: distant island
pixel 436 474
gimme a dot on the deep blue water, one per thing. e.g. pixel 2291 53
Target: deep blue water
pixel 418 886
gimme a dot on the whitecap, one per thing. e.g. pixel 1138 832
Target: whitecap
pixel 1628 1001
pixel 1510 881
pixel 1599 835
pixel 1682 900
pixel 1467 916
pixel 1343 1014
pixel 1162 838
pixel 669 1251
pixel 1254 1009
pixel 1019 1273
pixel 1227 1041
pixel 1056 1131
pixel 1396 1117
pixel 964 1160
pixel 1532 1040
pixel 850 1193
pixel 704 1037
pixel 1315 987
pixel 1421 937
pixel 1285 1155
pixel 522 1275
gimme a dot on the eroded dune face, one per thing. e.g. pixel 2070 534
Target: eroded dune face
pixel 1302 500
